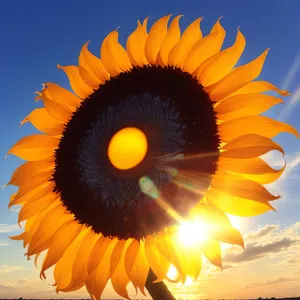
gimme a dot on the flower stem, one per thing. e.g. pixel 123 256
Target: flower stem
pixel 158 291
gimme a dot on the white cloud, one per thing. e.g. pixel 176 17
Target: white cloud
pixel 5 228
pixel 291 73
pixel 7 269
pixel 288 108
pixel 3 243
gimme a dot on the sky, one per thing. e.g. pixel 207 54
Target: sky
pixel 36 35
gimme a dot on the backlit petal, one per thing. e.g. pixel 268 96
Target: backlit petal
pixel 212 251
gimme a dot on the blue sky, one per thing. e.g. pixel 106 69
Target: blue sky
pixel 35 35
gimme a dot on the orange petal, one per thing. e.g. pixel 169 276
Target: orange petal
pixel 131 254
pixel 114 56
pixel 29 169
pixel 116 255
pixel 189 38
pixel 97 280
pixel 93 65
pixel 204 48
pixel 155 38
pixel 249 146
pixel 260 87
pixel 237 206
pixel 245 105
pixel 135 46
pixel 171 39
pixel 80 88
pixel 239 186
pixel 253 125
pixel 219 65
pixel 61 241
pixel 35 147
pixel 212 251
pixel 236 79
pixel 42 121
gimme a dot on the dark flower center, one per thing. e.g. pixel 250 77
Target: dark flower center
pixel 176 115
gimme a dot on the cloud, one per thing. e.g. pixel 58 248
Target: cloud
pixel 4 228
pixel 257 251
pixel 6 269
pixel 291 73
pixel 3 243
pixel 262 231
pixel 274 281
pixel 22 281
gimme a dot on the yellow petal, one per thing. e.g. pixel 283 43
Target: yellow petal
pixel 93 65
pixel 252 168
pixel 219 65
pixel 212 251
pixel 116 255
pixel 35 147
pixel 97 253
pixel 155 38
pixel 135 46
pixel 245 105
pixel 61 241
pixel 114 56
pixel 189 38
pixel 79 270
pixel 139 271
pixel 119 277
pixel 56 110
pixel 241 187
pixel 260 87
pixel 204 48
pixel 64 268
pixel 97 280
pixel 62 96
pixel 253 125
pixel 158 263
pixel 29 169
pixel 80 88
pixel 249 146
pixel 236 79
pixel 32 208
pixel 42 121
pixel 237 206
pixel 54 220
pixel 171 39
pixel 131 254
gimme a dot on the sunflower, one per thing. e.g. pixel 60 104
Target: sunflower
pixel 163 132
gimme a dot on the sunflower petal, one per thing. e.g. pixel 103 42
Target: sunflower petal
pixel 204 48
pixel 63 268
pixel 131 254
pixel 241 187
pixel 114 56
pixel 29 169
pixel 116 255
pixel 119 277
pixel 135 46
pixel 260 86
pixel 42 121
pixel 61 241
pixel 237 206
pixel 155 38
pixel 212 251
pixel 80 88
pixel 60 95
pixel 98 253
pixel 35 147
pixel 158 263
pixel 189 38
pixel 220 64
pixel 245 105
pixel 93 65
pixel 139 271
pixel 97 280
pixel 232 129
pixel 171 39
pixel 236 79
pixel 249 146
pixel 79 270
